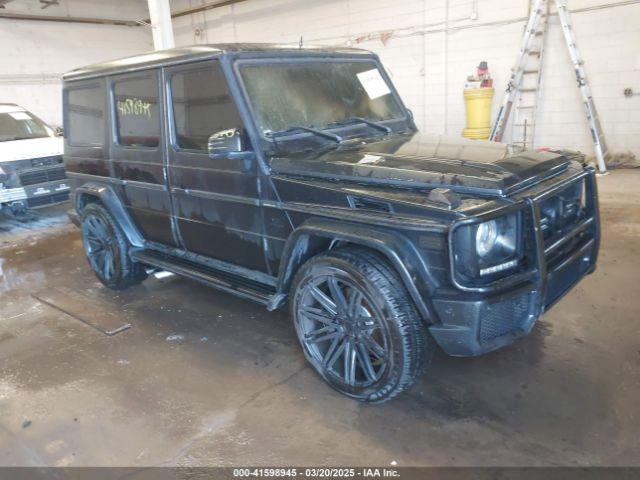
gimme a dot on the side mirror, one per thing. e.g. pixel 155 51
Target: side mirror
pixel 227 144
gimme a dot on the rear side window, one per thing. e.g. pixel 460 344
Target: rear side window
pixel 85 115
pixel 136 111
pixel 202 105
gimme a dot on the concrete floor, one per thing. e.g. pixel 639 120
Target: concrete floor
pixel 235 390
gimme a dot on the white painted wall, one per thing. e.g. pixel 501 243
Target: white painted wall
pixel 433 45
pixel 35 54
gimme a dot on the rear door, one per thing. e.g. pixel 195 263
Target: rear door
pixel 216 201
pixel 137 154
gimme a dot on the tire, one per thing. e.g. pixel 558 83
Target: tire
pixel 369 344
pixel 107 249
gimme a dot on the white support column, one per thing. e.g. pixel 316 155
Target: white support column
pixel 160 15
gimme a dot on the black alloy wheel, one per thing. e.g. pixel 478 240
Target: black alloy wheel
pixel 356 324
pixel 107 249
pixel 343 331
pixel 99 247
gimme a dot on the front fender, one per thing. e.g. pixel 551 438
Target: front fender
pixel 113 203
pixel 302 244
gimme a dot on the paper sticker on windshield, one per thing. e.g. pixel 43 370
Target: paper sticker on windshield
pixel 374 84
pixel 20 115
pixel 369 159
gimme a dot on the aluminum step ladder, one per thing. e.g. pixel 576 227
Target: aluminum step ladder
pixel 523 88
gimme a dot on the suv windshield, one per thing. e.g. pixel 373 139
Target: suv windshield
pixel 318 93
pixel 21 125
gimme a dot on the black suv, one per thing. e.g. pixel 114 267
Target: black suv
pixel 297 175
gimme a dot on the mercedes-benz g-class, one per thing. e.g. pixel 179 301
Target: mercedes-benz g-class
pixel 297 176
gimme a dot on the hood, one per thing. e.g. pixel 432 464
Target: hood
pixel 30 148
pixel 429 161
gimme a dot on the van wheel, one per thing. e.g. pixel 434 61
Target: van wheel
pixel 107 249
pixel 357 325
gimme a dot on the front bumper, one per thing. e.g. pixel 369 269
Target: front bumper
pixel 38 195
pixel 474 326
pixel 473 323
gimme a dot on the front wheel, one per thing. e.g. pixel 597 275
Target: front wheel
pixel 357 325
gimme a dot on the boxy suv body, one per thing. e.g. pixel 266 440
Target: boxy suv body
pixel 31 170
pixel 297 175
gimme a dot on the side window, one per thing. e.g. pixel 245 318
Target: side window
pixel 85 115
pixel 202 105
pixel 136 111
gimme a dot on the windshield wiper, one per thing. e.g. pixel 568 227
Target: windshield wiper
pixel 320 133
pixel 371 123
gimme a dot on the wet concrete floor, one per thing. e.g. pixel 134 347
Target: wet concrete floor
pixel 204 378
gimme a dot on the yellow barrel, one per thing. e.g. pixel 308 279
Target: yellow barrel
pixel 478 105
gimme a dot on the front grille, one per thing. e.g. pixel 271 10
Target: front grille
pixel 46 161
pixel 45 200
pixel 564 221
pixel 562 211
pixel 505 317
pixel 41 175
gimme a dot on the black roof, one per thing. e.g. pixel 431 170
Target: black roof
pixel 196 52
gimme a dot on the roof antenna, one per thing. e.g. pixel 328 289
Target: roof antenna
pixel 300 43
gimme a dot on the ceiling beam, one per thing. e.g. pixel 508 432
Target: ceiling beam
pixel 201 8
pixel 49 3
pixel 111 21
pixel 54 18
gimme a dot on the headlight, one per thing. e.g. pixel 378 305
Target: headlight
pixel 484 251
pixel 496 239
pixel 486 237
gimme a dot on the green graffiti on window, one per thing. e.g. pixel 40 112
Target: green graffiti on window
pixel 134 106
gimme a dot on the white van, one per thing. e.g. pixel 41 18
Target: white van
pixel 31 171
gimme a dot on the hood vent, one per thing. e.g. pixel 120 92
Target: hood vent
pixel 368 204
pixel 446 196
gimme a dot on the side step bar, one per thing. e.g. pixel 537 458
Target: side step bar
pixel 213 277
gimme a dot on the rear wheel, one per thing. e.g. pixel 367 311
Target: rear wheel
pixel 357 325
pixel 107 249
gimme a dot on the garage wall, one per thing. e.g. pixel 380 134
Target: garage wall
pixel 430 46
pixel 35 54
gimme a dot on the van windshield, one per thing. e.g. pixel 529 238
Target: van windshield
pixel 317 94
pixel 21 125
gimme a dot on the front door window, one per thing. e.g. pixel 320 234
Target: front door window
pixel 202 105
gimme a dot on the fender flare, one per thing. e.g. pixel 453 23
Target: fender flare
pixel 395 247
pixel 113 203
